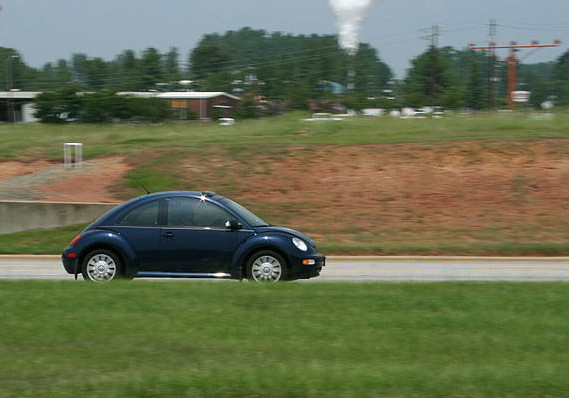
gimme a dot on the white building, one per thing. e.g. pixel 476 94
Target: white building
pixel 17 106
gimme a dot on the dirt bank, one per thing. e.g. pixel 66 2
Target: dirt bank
pixel 451 189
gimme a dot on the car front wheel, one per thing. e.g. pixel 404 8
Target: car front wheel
pixel 101 266
pixel 266 266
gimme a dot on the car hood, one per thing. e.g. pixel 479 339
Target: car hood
pixel 300 235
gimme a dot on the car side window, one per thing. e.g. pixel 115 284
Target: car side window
pixel 142 216
pixel 196 213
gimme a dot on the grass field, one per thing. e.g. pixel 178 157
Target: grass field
pixel 231 339
pixel 258 136
pixel 51 241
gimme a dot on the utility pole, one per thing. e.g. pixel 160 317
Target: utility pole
pixel 512 61
pixel 433 37
pixel 492 79
pixel 10 116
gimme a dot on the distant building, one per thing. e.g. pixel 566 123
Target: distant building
pixel 17 106
pixel 195 104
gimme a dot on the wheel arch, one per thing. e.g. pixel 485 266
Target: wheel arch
pixel 244 257
pixel 102 246
pixel 115 244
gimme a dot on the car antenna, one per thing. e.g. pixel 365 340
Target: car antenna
pixel 140 185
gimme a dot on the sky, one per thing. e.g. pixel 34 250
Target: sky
pixel 44 31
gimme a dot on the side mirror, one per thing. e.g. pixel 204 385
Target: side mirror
pixel 233 225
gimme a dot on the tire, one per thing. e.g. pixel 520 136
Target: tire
pixel 101 266
pixel 266 266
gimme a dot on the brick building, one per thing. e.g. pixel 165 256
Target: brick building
pixel 195 104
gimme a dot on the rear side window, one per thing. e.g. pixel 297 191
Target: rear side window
pixel 143 216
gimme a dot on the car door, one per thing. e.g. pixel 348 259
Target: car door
pixel 195 240
pixel 140 228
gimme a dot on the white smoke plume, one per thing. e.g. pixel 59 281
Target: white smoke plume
pixel 349 16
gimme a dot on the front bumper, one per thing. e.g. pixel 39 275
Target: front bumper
pixel 311 268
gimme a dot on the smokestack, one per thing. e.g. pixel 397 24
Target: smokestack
pixel 350 14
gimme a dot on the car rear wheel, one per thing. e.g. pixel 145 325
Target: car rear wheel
pixel 266 266
pixel 101 266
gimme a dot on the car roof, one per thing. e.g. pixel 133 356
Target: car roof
pixel 110 215
pixel 165 194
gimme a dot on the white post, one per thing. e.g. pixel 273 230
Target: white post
pixel 73 154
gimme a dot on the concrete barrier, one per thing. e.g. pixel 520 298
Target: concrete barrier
pixel 16 216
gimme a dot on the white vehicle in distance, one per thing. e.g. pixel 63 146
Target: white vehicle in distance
pixel 317 117
pixel 226 121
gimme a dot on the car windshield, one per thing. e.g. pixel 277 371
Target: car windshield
pixel 245 214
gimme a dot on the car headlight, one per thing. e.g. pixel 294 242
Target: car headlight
pixel 300 244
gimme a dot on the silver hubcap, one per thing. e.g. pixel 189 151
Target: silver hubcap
pixel 101 268
pixel 266 268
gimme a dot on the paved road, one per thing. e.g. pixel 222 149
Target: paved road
pixel 361 269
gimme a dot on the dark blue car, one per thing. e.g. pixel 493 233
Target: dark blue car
pixel 189 235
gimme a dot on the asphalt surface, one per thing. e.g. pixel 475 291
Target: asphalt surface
pixel 361 269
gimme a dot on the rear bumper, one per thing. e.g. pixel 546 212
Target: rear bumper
pixel 70 264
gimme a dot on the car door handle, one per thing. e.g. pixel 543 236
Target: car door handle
pixel 168 235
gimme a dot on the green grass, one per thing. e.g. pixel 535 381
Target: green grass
pixel 231 339
pixel 48 241
pixel 290 130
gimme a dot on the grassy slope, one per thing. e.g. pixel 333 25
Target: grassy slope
pixel 261 135
pixel 156 151
pixel 188 339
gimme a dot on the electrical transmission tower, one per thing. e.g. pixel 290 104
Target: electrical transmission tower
pixel 433 37
pixel 492 78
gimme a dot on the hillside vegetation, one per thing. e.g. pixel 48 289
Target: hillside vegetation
pixel 482 184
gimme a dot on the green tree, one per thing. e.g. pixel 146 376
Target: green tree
pixel 207 60
pixel 14 74
pixel 127 71
pixel 475 94
pixel 539 80
pixel 92 73
pixel 295 68
pixel 59 106
pixel 371 75
pixel 145 109
pixel 66 105
pixel 171 67
pixel 432 80
pixel 97 107
pixel 561 78
pixel 150 67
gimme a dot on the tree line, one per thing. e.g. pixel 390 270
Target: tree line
pixel 295 72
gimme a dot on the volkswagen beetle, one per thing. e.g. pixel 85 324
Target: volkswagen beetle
pixel 189 235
